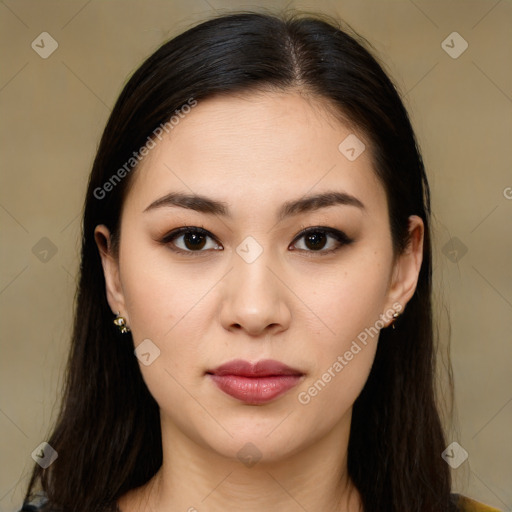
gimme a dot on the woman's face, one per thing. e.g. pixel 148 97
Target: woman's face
pixel 246 285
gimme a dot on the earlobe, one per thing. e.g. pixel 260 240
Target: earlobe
pixel 407 267
pixel 113 288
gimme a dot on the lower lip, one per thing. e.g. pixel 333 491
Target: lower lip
pixel 255 390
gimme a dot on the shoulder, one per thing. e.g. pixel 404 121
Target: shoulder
pixel 465 504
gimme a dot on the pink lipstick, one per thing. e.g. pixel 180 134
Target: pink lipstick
pixel 256 383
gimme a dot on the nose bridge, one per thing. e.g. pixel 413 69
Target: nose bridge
pixel 257 284
pixel 254 298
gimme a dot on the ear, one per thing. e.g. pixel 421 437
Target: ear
pixel 407 267
pixel 110 265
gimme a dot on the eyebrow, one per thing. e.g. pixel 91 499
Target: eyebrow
pixel 210 206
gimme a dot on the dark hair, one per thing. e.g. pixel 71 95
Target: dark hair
pixel 108 434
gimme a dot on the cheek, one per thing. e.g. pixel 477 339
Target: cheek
pixel 329 395
pixel 174 305
pixel 163 304
pixel 350 298
pixel 350 303
pixel 160 296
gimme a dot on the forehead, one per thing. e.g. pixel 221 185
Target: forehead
pixel 261 147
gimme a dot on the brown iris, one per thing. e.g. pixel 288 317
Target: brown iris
pixel 315 241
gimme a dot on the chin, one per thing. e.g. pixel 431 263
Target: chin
pixel 257 445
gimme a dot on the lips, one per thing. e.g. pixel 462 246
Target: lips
pixel 256 383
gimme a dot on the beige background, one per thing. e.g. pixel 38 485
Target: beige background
pixel 53 111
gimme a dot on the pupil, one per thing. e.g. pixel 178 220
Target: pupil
pixel 194 240
pixel 315 240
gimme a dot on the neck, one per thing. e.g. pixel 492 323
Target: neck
pixel 194 478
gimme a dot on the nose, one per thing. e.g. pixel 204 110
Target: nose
pixel 253 298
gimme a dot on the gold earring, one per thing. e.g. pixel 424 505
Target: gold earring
pixel 395 316
pixel 121 323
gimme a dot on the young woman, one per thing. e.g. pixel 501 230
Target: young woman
pixel 257 218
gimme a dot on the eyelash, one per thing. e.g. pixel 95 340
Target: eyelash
pixel 339 236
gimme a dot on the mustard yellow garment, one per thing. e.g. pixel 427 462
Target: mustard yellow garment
pixel 469 505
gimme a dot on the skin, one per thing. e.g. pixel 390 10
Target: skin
pixel 255 152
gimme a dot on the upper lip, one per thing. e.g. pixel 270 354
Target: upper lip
pixel 263 368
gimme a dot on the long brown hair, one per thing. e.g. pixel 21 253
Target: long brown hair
pixel 108 434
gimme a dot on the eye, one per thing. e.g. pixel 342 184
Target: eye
pixel 316 238
pixel 188 240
